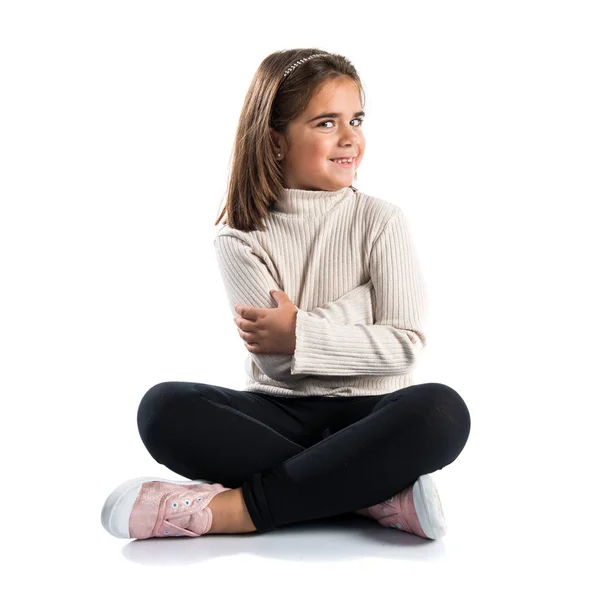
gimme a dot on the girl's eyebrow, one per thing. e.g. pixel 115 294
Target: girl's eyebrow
pixel 335 116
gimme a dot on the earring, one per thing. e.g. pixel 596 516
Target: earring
pixel 278 154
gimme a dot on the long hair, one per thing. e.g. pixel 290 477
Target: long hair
pixel 272 100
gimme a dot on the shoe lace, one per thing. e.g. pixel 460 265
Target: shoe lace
pixel 190 520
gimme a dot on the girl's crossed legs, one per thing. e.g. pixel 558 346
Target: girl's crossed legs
pixel 303 458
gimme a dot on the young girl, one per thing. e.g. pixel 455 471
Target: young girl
pixel 327 295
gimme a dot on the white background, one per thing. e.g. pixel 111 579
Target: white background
pixel 116 128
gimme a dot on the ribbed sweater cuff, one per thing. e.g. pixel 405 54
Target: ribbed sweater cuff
pixel 325 348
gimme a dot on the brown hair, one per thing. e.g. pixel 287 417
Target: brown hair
pixel 256 179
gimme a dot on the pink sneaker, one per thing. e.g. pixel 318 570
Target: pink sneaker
pixel 416 509
pixel 147 507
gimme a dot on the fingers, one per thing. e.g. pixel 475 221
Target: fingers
pixel 250 313
pixel 249 337
pixel 240 323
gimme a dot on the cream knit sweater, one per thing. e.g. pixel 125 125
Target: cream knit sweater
pixel 348 263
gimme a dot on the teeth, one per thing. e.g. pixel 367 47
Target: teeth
pixel 345 160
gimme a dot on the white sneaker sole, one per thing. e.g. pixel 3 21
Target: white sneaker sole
pixel 429 508
pixel 117 508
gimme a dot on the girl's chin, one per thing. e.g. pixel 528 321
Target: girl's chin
pixel 344 173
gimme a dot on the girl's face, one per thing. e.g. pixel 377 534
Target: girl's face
pixel 330 127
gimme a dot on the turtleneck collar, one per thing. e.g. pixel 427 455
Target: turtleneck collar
pixel 309 203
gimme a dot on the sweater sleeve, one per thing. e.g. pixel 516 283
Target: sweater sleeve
pixel 247 280
pixel 392 344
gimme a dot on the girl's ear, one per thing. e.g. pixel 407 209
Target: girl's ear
pixel 278 140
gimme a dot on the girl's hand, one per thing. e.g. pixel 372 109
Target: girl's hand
pixel 268 330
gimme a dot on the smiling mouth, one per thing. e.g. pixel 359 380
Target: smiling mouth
pixel 344 163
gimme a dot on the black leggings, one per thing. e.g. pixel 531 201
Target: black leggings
pixel 303 458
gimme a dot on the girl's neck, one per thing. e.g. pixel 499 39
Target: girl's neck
pixel 309 203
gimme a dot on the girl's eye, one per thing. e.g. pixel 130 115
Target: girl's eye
pixel 357 119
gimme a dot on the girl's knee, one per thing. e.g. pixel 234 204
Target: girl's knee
pixel 447 400
pixel 447 412
pixel 455 410
pixel 152 407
